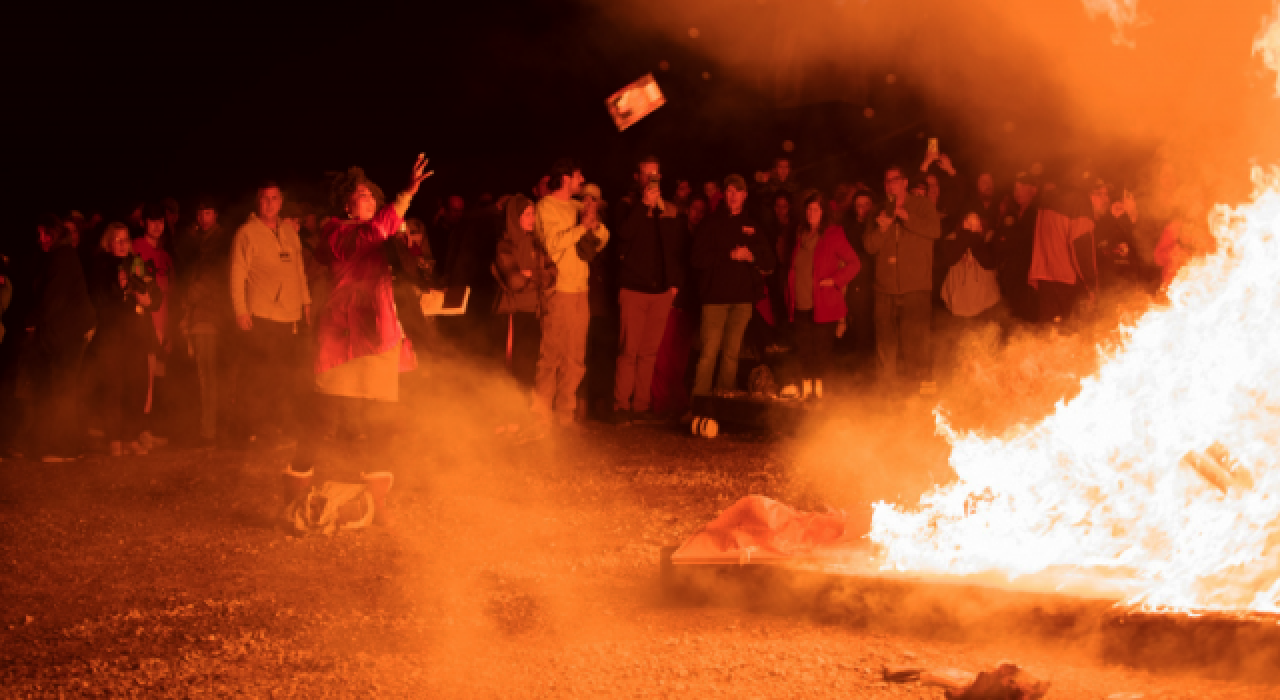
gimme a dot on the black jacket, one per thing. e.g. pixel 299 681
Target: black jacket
pixel 724 280
pixel 651 250
pixel 63 312
pixel 121 325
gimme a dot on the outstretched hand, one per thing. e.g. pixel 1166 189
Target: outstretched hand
pixel 420 173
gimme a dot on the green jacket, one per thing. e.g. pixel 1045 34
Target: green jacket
pixel 904 252
pixel 558 228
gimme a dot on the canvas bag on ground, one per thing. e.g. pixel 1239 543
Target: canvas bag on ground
pixel 330 508
pixel 970 288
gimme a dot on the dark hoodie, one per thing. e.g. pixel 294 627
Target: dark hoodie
pixel 651 249
pixel 724 280
pixel 519 250
pixel 63 312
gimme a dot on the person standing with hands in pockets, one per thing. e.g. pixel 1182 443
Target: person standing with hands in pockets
pixel 902 237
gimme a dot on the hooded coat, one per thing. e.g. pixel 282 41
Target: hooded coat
pixel 518 251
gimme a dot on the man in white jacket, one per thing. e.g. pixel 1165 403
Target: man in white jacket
pixel 270 296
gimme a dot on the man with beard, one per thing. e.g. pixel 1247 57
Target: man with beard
pixel 902 237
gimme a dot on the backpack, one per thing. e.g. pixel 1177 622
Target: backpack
pixel 970 288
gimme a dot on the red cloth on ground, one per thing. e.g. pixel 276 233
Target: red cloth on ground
pixel 761 523
pixel 359 318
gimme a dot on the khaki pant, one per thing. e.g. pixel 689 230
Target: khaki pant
pixel 561 355
pixel 720 336
pixel 644 321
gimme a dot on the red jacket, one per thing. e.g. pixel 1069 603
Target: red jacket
pixel 360 316
pixel 828 302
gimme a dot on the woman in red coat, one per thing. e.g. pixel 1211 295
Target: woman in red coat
pixel 361 345
pixel 822 265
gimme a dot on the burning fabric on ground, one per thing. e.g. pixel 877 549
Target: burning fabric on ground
pixel 1004 682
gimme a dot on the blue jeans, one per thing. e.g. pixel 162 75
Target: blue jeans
pixel 721 335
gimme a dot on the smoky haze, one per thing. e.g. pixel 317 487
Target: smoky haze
pixel 1025 81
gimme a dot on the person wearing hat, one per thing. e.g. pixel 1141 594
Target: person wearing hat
pixel 902 238
pixel 206 313
pixel 571 233
pixel 1013 244
pixel 650 248
pixel 731 259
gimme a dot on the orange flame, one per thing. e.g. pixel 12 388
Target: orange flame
pixel 1163 472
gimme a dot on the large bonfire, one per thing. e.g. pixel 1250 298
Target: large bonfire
pixel 1164 471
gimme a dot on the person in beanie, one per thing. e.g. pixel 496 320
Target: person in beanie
pixel 525 277
pixel 206 313
pixel 571 237
pixel 650 249
pixel 902 237
pixel 270 296
pixel 731 258
pixel 362 347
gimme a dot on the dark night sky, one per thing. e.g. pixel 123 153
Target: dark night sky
pixel 116 106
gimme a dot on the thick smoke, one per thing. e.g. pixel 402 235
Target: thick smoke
pixel 1029 81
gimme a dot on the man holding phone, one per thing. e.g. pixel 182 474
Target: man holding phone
pixel 902 237
pixel 650 271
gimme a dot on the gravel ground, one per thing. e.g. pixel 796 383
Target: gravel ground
pixel 515 571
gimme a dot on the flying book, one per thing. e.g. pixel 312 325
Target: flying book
pixel 635 101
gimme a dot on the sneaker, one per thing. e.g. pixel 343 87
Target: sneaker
pixel 790 391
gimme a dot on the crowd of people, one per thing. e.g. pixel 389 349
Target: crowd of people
pixel 619 312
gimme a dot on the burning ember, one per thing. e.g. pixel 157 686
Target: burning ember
pixel 1162 474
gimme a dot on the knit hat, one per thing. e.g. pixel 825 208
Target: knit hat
pixel 154 211
pixel 735 181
